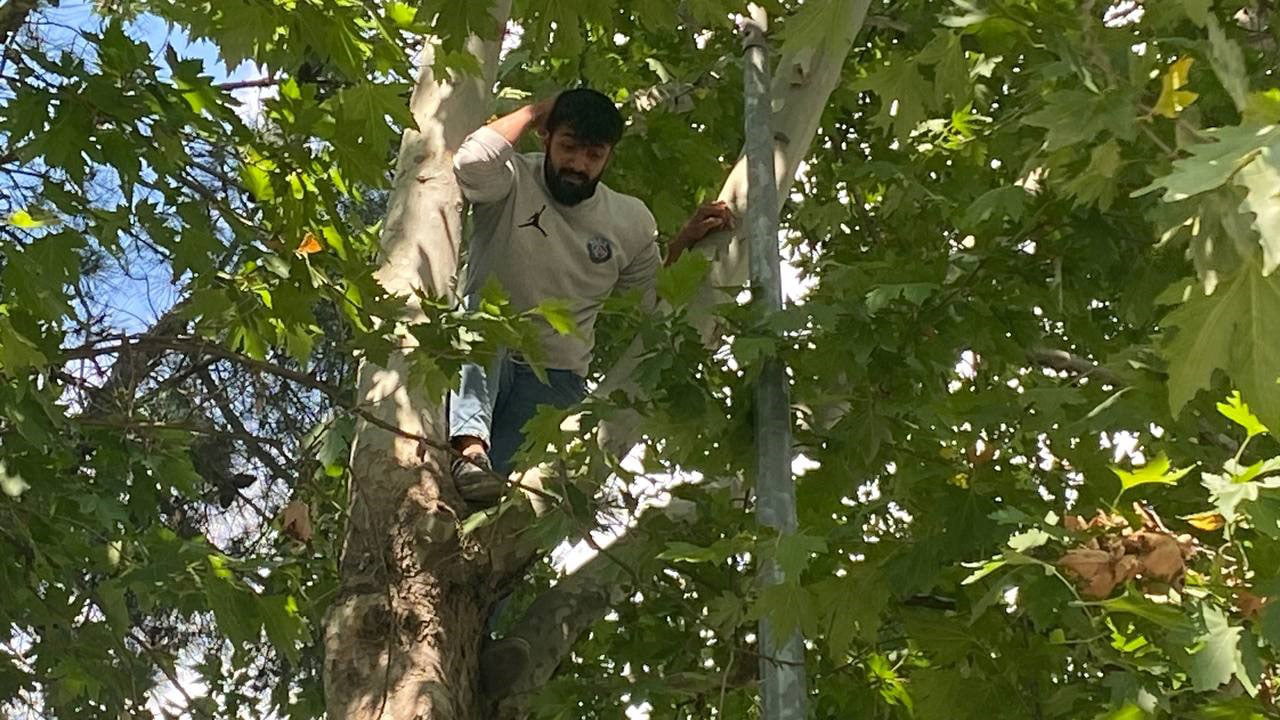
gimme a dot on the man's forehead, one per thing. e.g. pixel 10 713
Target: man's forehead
pixel 570 136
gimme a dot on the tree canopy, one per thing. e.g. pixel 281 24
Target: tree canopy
pixel 1033 351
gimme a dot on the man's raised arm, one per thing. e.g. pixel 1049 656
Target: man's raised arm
pixel 483 162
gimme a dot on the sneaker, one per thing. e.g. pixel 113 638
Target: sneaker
pixel 476 481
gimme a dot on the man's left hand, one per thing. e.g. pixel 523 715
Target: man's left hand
pixel 709 218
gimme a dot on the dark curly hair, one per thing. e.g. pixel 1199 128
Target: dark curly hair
pixel 590 114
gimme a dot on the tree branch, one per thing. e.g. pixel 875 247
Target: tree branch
pixel 559 616
pixel 1064 361
pixel 241 84
pixel 229 414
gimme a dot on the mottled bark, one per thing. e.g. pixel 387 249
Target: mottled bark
pixel 403 637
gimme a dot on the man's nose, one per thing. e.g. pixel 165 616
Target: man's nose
pixel 576 163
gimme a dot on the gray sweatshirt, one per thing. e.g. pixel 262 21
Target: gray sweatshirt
pixel 538 249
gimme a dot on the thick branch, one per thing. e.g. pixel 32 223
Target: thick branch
pixel 559 616
pixel 1065 361
pixel 135 362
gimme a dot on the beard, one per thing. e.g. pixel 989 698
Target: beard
pixel 568 187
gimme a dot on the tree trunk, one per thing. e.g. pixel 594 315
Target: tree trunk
pixel 402 638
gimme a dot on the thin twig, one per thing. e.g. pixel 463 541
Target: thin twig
pixel 240 84
pixel 339 396
pixel 126 424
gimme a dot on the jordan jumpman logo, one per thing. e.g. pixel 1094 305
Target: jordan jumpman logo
pixel 535 221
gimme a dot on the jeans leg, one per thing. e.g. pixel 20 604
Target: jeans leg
pixel 472 405
pixel 519 403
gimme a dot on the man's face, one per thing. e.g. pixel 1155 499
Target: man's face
pixel 573 167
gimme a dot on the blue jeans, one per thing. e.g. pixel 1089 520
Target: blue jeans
pixel 494 404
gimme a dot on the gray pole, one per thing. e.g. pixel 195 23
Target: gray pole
pixel 782 677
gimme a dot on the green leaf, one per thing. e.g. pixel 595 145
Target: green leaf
pixel 1262 180
pixel 903 93
pixel 1269 623
pixel 1071 117
pixel 680 282
pixel 951 71
pixel 679 551
pixel 1128 712
pixel 1241 708
pixel 1000 203
pixel 792 552
pixel 16 351
pixel 1198 10
pixel 1213 163
pixel 454 20
pixel 1133 602
pixel 111 599
pixel 255 173
pixel 1028 539
pixel 364 132
pixel 1228 63
pixel 1097 183
pixel 1263 108
pixel 234 610
pixel 1233 330
pixel 335 37
pixel 1238 485
pixel 851 607
pixel 814 24
pixel 983 570
pixel 1155 471
pixel 787 605
pixel 558 315
pixel 945 694
pixel 947 639
pixel 401 14
pixel 1235 410
pixel 284 624
pixel 727 612
pixel 1219 657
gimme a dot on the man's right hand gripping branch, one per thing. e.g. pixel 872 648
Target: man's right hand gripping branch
pixel 545 226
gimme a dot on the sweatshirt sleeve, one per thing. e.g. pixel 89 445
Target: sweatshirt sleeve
pixel 642 270
pixel 483 166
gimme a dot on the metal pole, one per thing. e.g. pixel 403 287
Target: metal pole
pixel 782 676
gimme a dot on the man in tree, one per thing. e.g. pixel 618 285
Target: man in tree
pixel 545 227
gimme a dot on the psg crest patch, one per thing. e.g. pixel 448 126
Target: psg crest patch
pixel 599 249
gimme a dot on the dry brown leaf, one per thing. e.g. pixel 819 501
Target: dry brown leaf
pixel 310 244
pixel 1209 520
pixel 1107 522
pixel 296 521
pixel 1250 605
pixel 1126 569
pixel 1074 523
pixel 1160 555
pixel 1094 569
